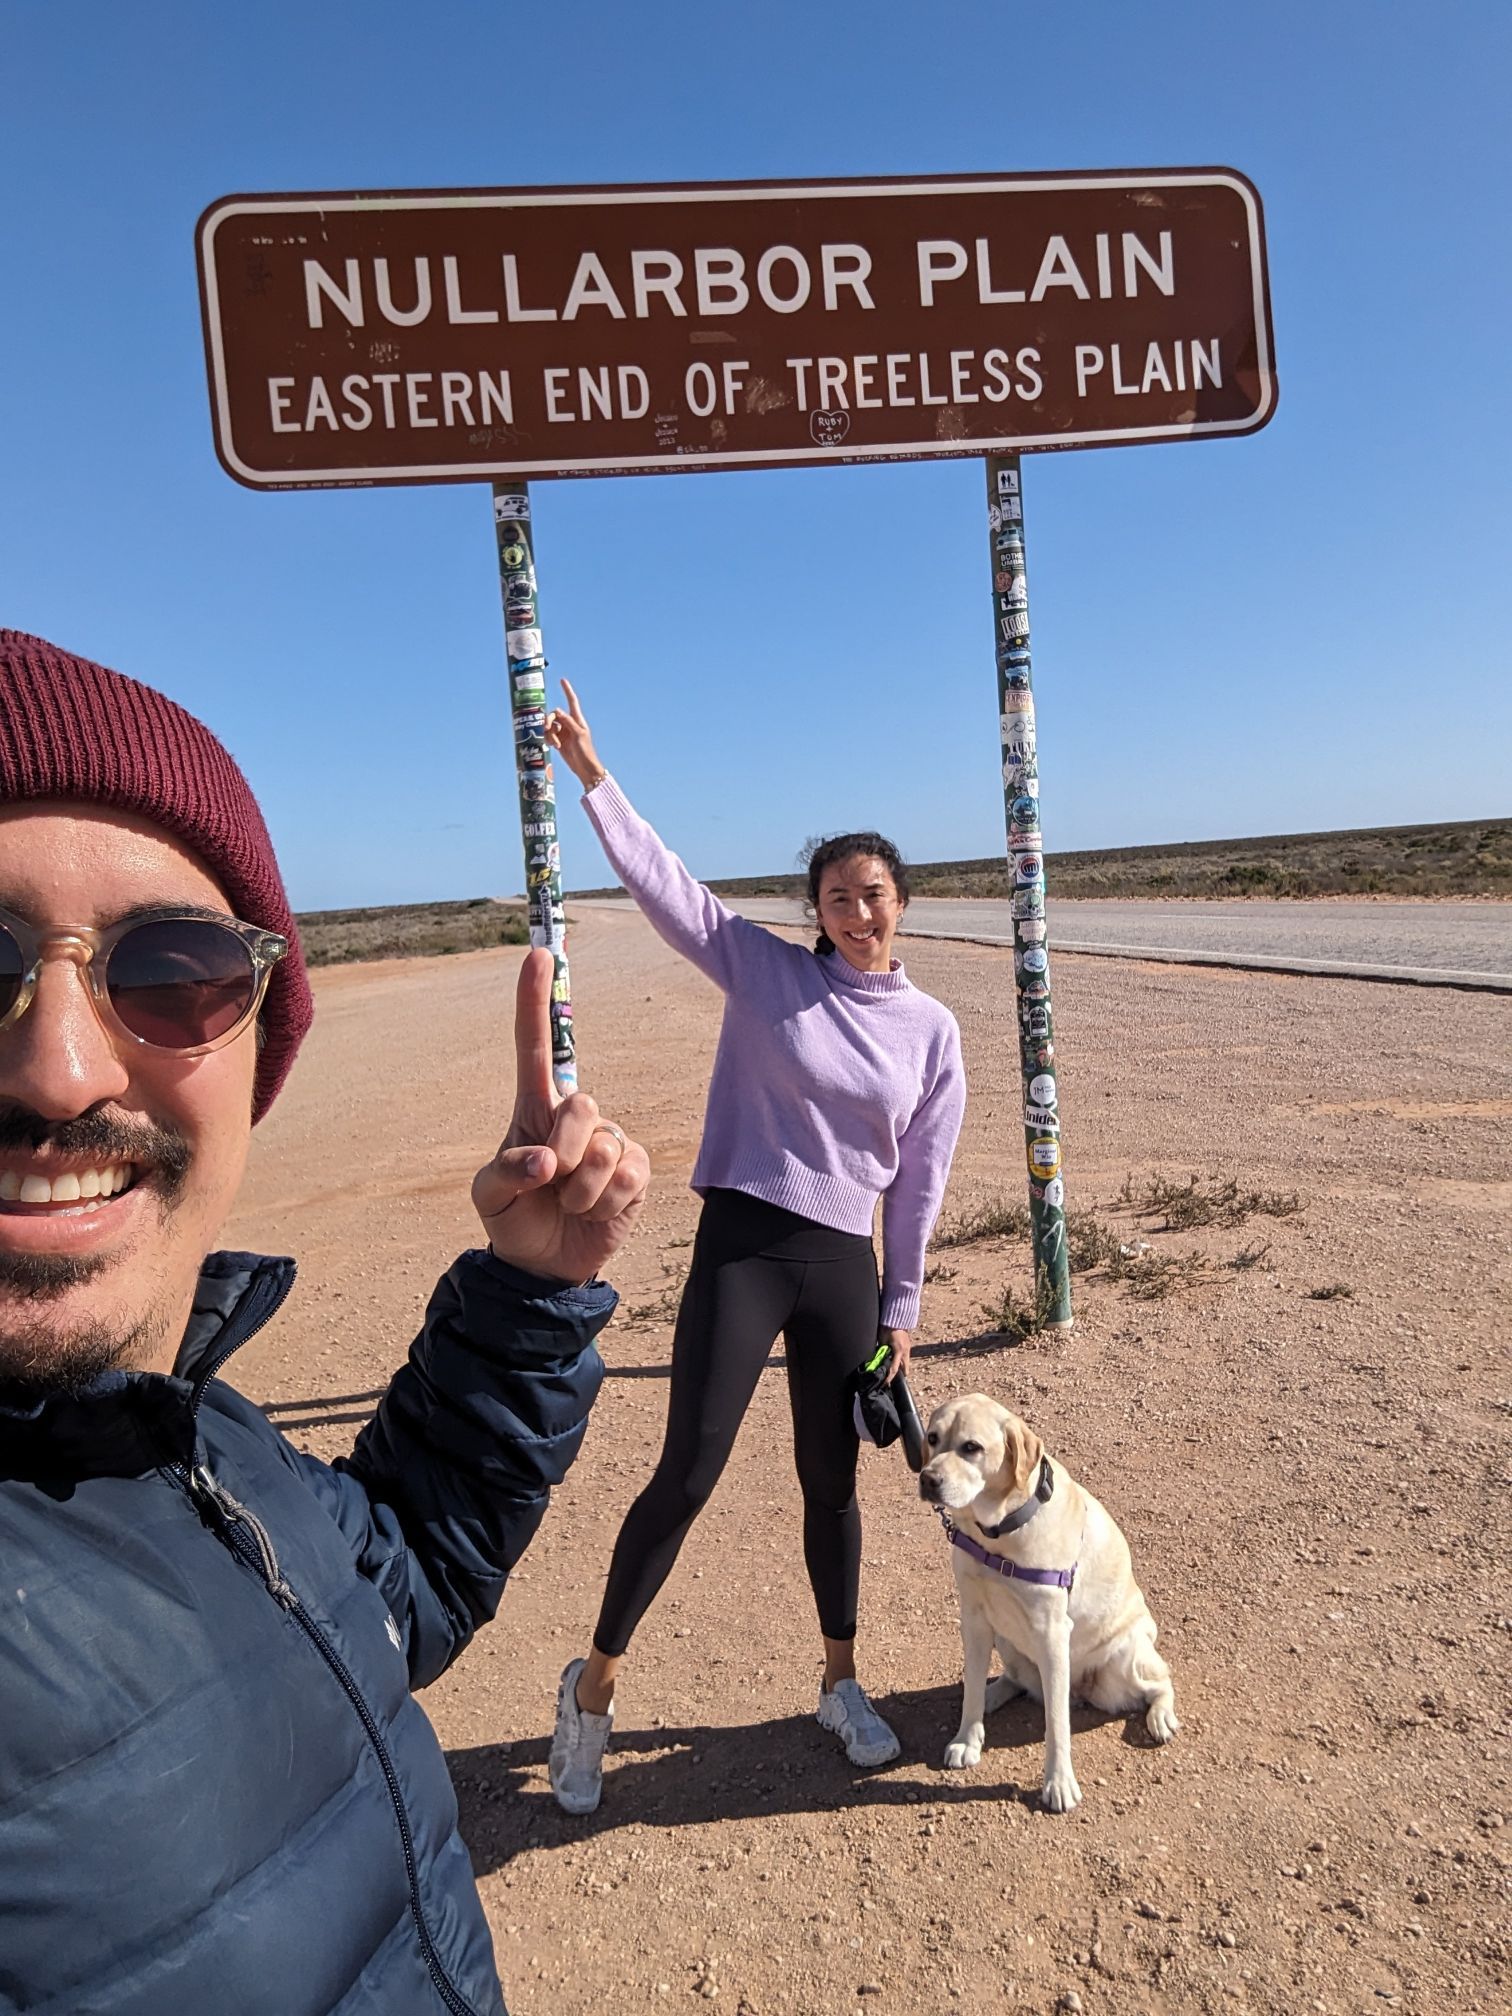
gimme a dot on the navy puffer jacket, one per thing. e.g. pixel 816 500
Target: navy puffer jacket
pixel 217 1792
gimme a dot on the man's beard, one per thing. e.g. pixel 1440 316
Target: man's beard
pixel 38 1357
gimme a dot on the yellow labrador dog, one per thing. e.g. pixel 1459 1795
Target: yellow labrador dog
pixel 1042 1571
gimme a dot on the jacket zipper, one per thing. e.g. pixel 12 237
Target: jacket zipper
pixel 247 1538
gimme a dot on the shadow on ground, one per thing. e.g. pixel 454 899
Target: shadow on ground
pixel 693 1776
pixel 336 1410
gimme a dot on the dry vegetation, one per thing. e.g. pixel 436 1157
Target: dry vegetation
pixel 1471 858
pixel 408 930
pixel 1119 1253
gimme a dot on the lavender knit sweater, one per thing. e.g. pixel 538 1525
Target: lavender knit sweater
pixel 831 1087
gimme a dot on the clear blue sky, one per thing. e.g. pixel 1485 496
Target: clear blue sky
pixel 1306 628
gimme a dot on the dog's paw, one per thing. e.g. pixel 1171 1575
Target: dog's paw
pixel 1000 1691
pixel 1161 1721
pixel 963 1755
pixel 1060 1792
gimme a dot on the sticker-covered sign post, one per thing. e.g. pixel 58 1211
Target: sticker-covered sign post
pixel 1031 944
pixel 515 546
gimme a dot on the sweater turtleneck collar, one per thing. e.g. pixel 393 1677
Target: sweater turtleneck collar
pixel 843 974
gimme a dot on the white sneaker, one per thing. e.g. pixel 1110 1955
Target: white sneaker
pixel 847 1713
pixel 576 1764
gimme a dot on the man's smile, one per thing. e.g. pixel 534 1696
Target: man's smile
pixel 69 1205
pixel 59 1187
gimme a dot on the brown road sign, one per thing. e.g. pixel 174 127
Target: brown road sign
pixel 446 336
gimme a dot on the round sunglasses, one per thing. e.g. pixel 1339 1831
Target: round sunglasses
pixel 176 980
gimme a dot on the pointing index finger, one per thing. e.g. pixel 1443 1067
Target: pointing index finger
pixel 533 1078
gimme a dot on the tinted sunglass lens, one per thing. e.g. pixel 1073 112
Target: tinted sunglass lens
pixel 178 982
pixel 12 971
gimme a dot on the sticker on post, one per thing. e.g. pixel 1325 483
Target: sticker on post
pixel 1027 903
pixel 1044 1157
pixel 1028 868
pixel 511 504
pixel 1031 930
pixel 1042 1090
pixel 1043 1119
pixel 1018 743
pixel 1008 483
pixel 523 643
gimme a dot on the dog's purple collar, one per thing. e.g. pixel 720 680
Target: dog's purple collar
pixel 1048 1578
pixel 1019 1517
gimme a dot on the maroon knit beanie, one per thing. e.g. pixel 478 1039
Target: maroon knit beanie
pixel 74 730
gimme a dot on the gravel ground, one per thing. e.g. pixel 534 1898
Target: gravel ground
pixel 1314 1491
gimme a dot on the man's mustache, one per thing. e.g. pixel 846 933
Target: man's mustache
pixel 102 1137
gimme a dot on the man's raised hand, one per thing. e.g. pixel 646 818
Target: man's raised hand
pixel 566 1187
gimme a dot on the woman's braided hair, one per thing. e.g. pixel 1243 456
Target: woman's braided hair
pixel 822 854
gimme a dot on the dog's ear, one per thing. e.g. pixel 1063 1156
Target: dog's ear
pixel 1024 1451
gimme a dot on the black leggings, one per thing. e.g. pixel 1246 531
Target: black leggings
pixel 757 1270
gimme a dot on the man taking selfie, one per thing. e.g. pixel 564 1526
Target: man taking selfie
pixel 217 1792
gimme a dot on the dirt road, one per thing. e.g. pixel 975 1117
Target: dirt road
pixel 1315 1492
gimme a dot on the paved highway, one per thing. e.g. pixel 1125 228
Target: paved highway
pixel 1431 944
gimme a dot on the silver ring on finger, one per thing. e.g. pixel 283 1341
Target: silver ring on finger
pixel 608 1127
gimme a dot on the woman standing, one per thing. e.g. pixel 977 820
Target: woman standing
pixel 836 1081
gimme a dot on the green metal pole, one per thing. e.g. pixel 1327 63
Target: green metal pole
pixel 527 700
pixel 1031 944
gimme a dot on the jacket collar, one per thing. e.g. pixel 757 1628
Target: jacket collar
pixel 127 1423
